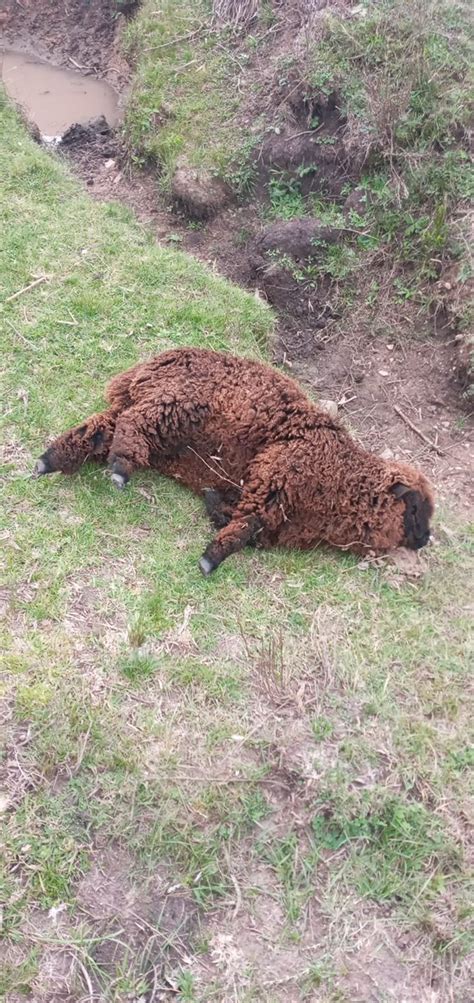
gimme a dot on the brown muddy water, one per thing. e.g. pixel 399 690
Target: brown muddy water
pixel 53 97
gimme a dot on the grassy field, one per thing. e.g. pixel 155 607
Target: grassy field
pixel 184 95
pixel 253 788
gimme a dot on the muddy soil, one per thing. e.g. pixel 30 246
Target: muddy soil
pixel 400 396
pixel 75 33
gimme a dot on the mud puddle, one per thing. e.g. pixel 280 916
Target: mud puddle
pixel 53 97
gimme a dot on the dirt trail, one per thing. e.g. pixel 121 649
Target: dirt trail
pixel 401 397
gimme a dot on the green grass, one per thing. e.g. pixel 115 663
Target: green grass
pixel 286 200
pixel 187 96
pixel 402 73
pixel 293 734
pixel 183 96
pixel 401 70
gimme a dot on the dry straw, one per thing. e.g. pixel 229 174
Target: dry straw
pixel 235 13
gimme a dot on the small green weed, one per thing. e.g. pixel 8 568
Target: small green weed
pixel 463 759
pixel 396 847
pixel 286 199
pixel 186 987
pixel 322 728
pixel 320 973
pixel 241 171
pixel 294 871
pixel 136 667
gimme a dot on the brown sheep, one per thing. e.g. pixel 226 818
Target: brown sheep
pixel 274 468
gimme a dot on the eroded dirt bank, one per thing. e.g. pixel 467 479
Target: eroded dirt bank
pixel 401 395
pixel 75 33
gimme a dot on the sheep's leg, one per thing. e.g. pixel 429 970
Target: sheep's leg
pixel 130 449
pixel 262 508
pixel 143 433
pixel 69 451
pixel 220 508
pixel 232 538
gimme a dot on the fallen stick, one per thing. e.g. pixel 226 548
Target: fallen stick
pixel 21 336
pixel 429 442
pixel 78 65
pixel 306 132
pixel 174 41
pixel 26 289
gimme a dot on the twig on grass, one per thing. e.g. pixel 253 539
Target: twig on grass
pixel 306 132
pixel 86 977
pixel 238 893
pixel 408 421
pixel 21 336
pixel 82 749
pixel 174 41
pixel 26 289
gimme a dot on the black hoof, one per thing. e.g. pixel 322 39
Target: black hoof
pixel 119 480
pixel 206 566
pixel 118 475
pixel 42 467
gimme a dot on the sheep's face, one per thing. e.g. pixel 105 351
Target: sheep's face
pixel 416 517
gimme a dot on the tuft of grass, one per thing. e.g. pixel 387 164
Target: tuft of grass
pixel 401 73
pixel 137 667
pixel 396 848
pixel 182 99
pixel 294 871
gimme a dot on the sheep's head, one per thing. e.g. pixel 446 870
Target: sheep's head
pixel 402 507
pixel 412 490
pixel 416 517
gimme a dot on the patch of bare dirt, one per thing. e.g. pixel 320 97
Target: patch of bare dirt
pixel 142 925
pixel 198 194
pixel 252 947
pixel 124 930
pixel 373 962
pixel 97 156
pixel 401 398
pixel 89 616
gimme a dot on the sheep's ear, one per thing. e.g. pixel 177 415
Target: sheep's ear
pixel 399 490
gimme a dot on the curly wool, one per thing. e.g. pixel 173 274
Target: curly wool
pixel 291 474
